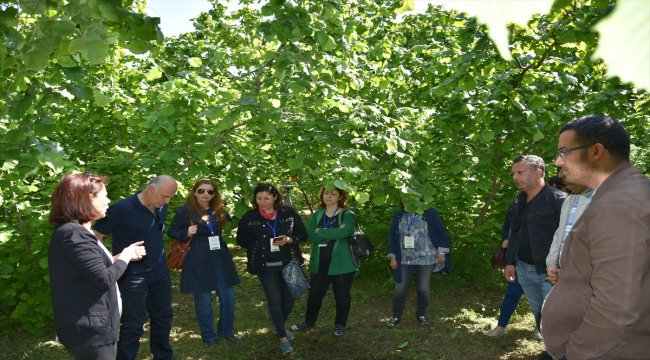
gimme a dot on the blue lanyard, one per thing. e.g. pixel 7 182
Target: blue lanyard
pixel 328 220
pixel 275 224
pixel 209 222
pixel 409 224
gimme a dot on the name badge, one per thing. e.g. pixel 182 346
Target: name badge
pixel 214 243
pixel 274 248
pixel 409 241
pixel 322 245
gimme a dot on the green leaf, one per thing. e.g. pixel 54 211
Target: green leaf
pixel 92 50
pixel 403 345
pixel 37 60
pixel 537 135
pixel 195 62
pixel 295 163
pixel 362 197
pixel 624 41
pixel 43 262
pixel 101 99
pixel 154 73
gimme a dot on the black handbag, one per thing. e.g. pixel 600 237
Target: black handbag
pixel 360 245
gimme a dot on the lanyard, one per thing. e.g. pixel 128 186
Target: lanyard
pixel 209 222
pixel 274 226
pixel 409 224
pixel 328 220
pixel 570 218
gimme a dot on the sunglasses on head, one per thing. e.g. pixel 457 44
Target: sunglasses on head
pixel 201 191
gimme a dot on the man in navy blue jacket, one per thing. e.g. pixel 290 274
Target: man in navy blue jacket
pixel 146 285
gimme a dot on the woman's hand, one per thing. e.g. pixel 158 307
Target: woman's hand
pixel 133 252
pixel 393 263
pixel 441 258
pixel 192 230
pixel 504 243
pixel 282 240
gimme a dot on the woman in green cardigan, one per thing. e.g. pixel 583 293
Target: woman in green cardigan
pixel 331 260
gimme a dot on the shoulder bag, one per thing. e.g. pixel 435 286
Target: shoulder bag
pixel 178 251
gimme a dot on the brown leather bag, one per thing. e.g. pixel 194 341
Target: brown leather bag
pixel 178 251
pixel 498 260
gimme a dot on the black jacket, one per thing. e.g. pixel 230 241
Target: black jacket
pixel 541 217
pixel 83 280
pixel 254 234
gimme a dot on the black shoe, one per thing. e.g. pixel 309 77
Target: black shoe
pixel 233 339
pixel 339 330
pixel 392 322
pixel 301 327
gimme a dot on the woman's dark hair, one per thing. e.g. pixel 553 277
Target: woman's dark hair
pixel 216 204
pixel 343 201
pixel 71 199
pixel 265 187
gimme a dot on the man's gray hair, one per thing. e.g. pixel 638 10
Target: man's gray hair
pixel 534 161
pixel 157 180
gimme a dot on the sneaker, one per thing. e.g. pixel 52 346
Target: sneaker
pixel 339 330
pixel 289 334
pixel 233 339
pixel 392 323
pixel 537 335
pixel 497 332
pixel 301 327
pixel 423 321
pixel 286 347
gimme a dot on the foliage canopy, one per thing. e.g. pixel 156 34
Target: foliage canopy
pixel 299 93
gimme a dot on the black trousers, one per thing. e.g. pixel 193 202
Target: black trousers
pixel 278 298
pixel 320 282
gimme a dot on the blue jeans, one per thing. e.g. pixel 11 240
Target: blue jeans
pixel 422 285
pixel 535 286
pixel 510 302
pixel 205 316
pixel 142 294
pixel 279 300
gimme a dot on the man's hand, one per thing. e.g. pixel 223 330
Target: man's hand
pixel 510 273
pixel 553 275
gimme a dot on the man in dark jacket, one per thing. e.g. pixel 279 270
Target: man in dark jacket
pixel 537 217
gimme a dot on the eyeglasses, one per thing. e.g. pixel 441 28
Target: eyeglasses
pixel 201 191
pixel 563 151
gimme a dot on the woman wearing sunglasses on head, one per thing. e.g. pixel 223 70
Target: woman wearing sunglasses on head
pixel 208 266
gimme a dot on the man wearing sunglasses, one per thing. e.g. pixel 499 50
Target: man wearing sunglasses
pixel 600 307
pixel 145 286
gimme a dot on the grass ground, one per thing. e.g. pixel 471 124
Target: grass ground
pixel 459 317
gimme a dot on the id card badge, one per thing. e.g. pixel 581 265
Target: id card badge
pixel 214 243
pixel 409 242
pixel 274 248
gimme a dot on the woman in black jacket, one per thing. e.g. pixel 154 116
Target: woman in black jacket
pixel 270 233
pixel 83 274
pixel 208 266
